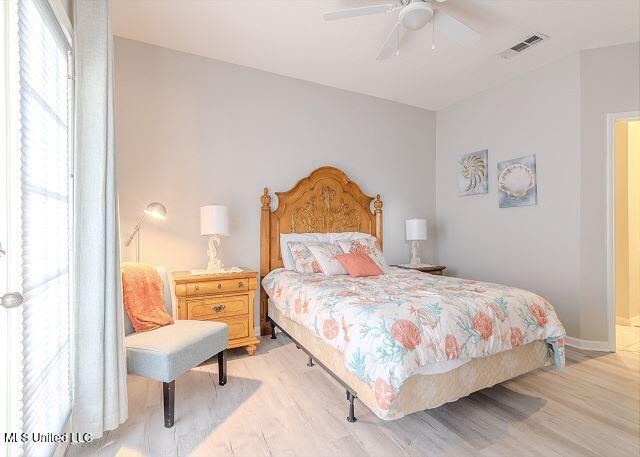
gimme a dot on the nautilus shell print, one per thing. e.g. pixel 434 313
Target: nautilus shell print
pixel 472 177
pixel 474 169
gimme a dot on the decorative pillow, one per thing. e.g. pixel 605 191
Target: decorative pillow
pixel 303 259
pixel 367 246
pixel 347 236
pixel 359 264
pixel 142 294
pixel 286 238
pixel 325 255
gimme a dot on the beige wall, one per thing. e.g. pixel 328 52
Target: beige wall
pixel 634 220
pixel 193 131
pixel 622 221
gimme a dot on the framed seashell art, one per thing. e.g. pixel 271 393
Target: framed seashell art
pixel 517 185
pixel 472 173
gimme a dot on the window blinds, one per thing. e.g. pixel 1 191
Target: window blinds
pixel 45 95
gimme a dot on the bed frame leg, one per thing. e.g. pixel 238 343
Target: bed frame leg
pixel 310 362
pixel 352 416
pixel 273 330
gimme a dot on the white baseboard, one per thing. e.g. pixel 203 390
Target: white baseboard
pixel 634 321
pixel 587 345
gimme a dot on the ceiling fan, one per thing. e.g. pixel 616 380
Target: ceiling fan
pixel 412 16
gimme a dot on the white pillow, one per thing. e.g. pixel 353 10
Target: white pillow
pixel 325 255
pixel 334 237
pixel 285 238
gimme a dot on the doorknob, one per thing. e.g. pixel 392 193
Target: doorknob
pixel 11 300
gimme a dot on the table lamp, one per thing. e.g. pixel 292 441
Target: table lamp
pixel 155 210
pixel 214 223
pixel 416 231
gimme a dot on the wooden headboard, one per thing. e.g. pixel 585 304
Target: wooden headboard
pixel 326 201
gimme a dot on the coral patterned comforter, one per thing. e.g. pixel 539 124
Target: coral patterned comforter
pixel 390 326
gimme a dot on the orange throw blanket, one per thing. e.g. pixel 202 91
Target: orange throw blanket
pixel 142 293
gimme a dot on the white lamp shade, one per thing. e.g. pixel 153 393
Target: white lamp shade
pixel 416 229
pixel 214 220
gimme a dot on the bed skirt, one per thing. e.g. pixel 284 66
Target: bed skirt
pixel 421 391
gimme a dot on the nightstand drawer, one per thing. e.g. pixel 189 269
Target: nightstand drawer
pixel 216 287
pixel 238 327
pixel 213 308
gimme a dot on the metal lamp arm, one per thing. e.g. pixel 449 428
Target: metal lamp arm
pixel 135 230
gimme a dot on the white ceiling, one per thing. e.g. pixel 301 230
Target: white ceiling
pixel 289 37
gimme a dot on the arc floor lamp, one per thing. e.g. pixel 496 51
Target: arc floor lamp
pixel 154 209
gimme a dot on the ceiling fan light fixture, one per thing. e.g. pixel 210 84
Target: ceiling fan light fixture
pixel 415 15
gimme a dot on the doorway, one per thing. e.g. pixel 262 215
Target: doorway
pixel 624 133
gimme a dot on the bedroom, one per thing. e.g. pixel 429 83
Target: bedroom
pixel 190 109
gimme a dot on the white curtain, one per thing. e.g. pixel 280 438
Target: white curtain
pixel 100 400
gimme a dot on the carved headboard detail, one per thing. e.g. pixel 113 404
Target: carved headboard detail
pixel 326 201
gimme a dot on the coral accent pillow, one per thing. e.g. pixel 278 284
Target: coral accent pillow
pixel 359 264
pixel 142 293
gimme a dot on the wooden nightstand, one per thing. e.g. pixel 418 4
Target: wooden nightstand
pixel 226 297
pixel 431 269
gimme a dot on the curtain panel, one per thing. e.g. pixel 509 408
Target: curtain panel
pixel 100 389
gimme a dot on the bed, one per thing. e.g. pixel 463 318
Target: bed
pixel 404 341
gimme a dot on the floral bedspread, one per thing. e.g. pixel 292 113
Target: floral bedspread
pixel 389 326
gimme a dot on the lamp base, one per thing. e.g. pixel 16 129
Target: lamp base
pixel 415 260
pixel 215 265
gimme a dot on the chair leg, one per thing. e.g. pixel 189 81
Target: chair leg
pixel 169 402
pixel 222 367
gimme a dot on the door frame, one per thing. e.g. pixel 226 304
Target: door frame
pixel 612 118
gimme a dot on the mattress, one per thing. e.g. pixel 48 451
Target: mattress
pixel 421 391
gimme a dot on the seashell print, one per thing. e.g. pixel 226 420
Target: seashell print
pixel 451 347
pixel 384 394
pixel 517 338
pixel 539 314
pixel 483 325
pixel 474 169
pixel 406 333
pixel 516 180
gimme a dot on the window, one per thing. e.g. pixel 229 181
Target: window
pixel 39 100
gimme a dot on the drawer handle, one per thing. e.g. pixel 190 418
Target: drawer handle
pixel 240 284
pixel 218 308
pixel 196 288
pixel 219 286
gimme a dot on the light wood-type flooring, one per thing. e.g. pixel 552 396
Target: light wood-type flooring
pixel 274 405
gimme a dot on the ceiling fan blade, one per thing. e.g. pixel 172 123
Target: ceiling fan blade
pixel 392 43
pixel 457 30
pixel 361 11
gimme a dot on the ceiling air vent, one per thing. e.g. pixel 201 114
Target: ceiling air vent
pixel 523 45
